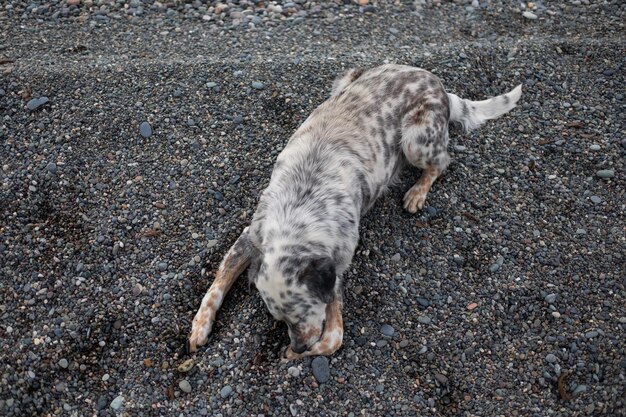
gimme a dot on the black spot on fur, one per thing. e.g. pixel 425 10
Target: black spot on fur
pixel 319 277
pixel 356 73
pixel 465 109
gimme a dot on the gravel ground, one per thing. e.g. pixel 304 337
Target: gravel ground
pixel 135 137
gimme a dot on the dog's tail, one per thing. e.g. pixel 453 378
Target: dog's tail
pixel 472 114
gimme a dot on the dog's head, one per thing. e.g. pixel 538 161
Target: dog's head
pixel 296 291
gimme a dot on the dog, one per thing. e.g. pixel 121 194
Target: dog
pixel 340 160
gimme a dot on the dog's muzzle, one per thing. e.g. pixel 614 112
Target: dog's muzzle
pixel 299 348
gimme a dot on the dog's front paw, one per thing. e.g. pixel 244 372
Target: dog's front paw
pixel 414 199
pixel 200 330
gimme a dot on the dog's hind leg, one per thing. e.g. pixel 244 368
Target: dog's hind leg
pixel 234 263
pixel 424 143
pixel 331 339
pixel 345 79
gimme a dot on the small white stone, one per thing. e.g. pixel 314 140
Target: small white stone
pixel 116 404
pixel 294 372
pixel 529 15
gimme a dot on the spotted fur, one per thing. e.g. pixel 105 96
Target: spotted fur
pixel 334 167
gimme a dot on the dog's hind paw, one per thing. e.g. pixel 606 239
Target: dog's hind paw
pixel 414 199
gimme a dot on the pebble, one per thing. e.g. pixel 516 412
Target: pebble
pixel 387 330
pixel 211 84
pixel 494 267
pixel 423 302
pixel 145 130
pixel 35 103
pixel 550 298
pixel 185 386
pixel 595 199
pixel 102 402
pixel 116 404
pixel 605 173
pixel 162 266
pixel 594 147
pixel 63 363
pixel 551 358
pixel 591 334
pixel 52 167
pixel 579 389
pixel 396 257
pixel 441 378
pixel 137 288
pixel 529 15
pixel 431 211
pixel 258 85
pixel 293 371
pixel 321 369
pixel 226 391
pixel 424 319
pixel 186 366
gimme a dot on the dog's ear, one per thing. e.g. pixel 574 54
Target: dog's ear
pixel 319 276
pixel 253 270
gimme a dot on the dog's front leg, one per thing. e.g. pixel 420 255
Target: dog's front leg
pixel 331 339
pixel 234 263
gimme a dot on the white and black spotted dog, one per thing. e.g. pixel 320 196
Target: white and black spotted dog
pixel 332 170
